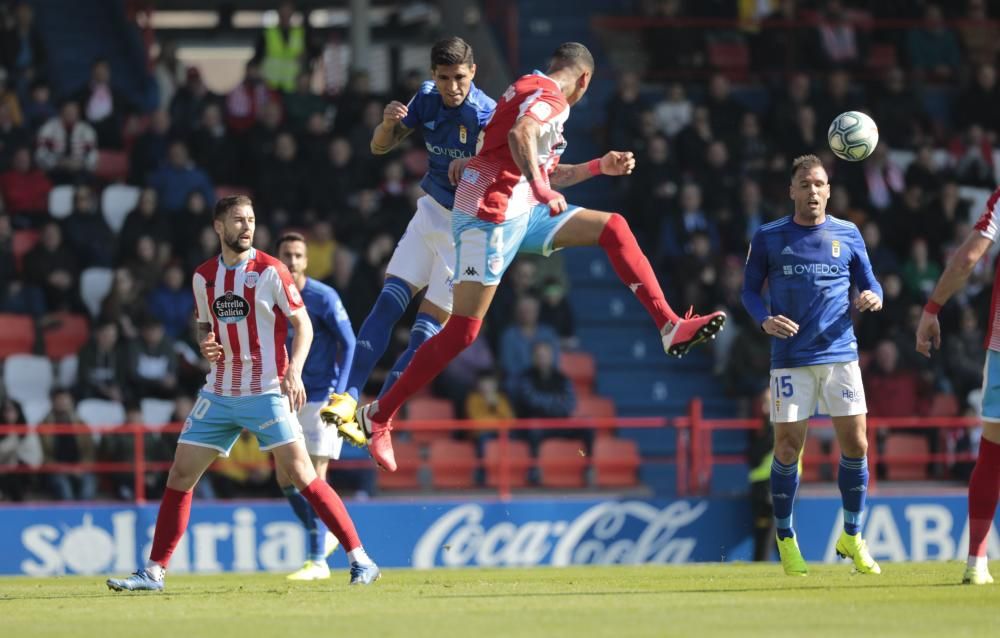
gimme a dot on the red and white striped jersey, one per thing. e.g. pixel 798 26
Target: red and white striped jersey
pixel 492 187
pixel 987 227
pixel 247 306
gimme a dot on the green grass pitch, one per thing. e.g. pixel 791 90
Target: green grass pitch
pixel 697 600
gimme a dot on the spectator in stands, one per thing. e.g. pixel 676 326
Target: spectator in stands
pixel 487 402
pixel 804 136
pixel 459 378
pixel 332 181
pixel 980 103
pixel 745 371
pixel 919 272
pixel 891 390
pixel 102 372
pixel 840 42
pixel 541 391
pixel 52 266
pixel 145 266
pixel 556 312
pixel 75 447
pixel 882 258
pixel 933 50
pixel 25 188
pixel 683 46
pixel 652 189
pixel 718 180
pixel 213 147
pixel 696 271
pixel 10 99
pixel 16 296
pixel 188 103
pixel 189 222
pixel 261 139
pixel 883 179
pixel 169 72
pixel 87 233
pixel 750 214
pixel 245 472
pixel 320 251
pixel 246 102
pixel 522 279
pixel 126 302
pixel 905 220
pixel 11 446
pixel 724 112
pixel 752 149
pixel 518 339
pixel 149 153
pixel 978 35
pixel 303 103
pixel 785 111
pixel 283 49
pixel 352 101
pixel 622 112
pixel 22 49
pixel 870 330
pixel 676 230
pixel 12 136
pixel 152 362
pixel 315 139
pixel 171 302
pixel 963 354
pixel 178 178
pixel 367 276
pixel 38 108
pixel 281 188
pixel 104 107
pixel 923 170
pixel 779 47
pixel 67 146
pixel 145 219
pixel 903 123
pixel 692 142
pixel 674 112
pixel 973 158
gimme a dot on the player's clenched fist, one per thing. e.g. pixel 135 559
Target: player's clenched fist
pixel 394 112
pixel 617 163
pixel 210 348
pixel 780 326
pixel 868 301
pixel 928 334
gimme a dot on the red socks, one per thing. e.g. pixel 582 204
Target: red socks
pixel 428 362
pixel 634 270
pixel 171 521
pixel 984 490
pixel 332 512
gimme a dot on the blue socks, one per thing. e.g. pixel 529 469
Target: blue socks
pixel 852 478
pixel 423 329
pixel 784 483
pixel 373 338
pixel 315 529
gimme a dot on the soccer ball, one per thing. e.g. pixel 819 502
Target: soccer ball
pixel 853 136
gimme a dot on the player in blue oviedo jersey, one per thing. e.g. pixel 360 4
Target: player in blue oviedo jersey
pixel 450 111
pixel 810 261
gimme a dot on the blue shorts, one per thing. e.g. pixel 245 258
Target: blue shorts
pixel 216 421
pixel 991 387
pixel 484 250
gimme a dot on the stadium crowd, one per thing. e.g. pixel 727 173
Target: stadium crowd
pixel 712 167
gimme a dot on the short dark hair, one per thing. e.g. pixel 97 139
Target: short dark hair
pixel 451 51
pixel 289 236
pixel 806 163
pixel 571 54
pixel 228 203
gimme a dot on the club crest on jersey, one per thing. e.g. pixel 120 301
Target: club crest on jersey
pixel 463 134
pixel 251 279
pixel 836 248
pixel 230 308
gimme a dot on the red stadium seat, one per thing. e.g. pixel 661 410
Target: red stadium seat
pixel 903 445
pixel 944 404
pixel 882 56
pixel 453 464
pixel 66 336
pixel 17 335
pixel 428 409
pixel 579 367
pixel 594 406
pixel 519 455
pixel 227 190
pixel 561 463
pixel 817 465
pixel 616 462
pixel 407 474
pixel 112 166
pixel 733 58
pixel 24 241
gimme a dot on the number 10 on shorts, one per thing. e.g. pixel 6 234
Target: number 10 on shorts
pixel 783 386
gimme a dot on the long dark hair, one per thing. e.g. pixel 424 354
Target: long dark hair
pixel 8 402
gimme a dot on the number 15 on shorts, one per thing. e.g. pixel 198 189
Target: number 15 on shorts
pixel 783 386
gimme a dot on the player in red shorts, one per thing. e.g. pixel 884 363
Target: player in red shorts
pixel 505 204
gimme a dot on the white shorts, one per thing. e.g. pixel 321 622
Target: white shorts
pixel 425 254
pixel 835 388
pixel 321 440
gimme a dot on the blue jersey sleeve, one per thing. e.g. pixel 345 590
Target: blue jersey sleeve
pixel 335 317
pixel 754 274
pixel 414 109
pixel 862 275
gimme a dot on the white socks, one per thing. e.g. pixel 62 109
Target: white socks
pixel 358 555
pixel 978 562
pixel 155 570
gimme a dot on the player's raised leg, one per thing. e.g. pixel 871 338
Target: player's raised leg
pixel 788 441
pixel 611 232
pixel 852 478
pixel 190 462
pixel 293 460
pixel 984 491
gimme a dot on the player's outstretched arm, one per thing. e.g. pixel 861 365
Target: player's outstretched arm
pixel 523 142
pixel 611 163
pixel 391 131
pixel 956 274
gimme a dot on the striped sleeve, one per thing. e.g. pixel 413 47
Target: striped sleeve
pixel 987 224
